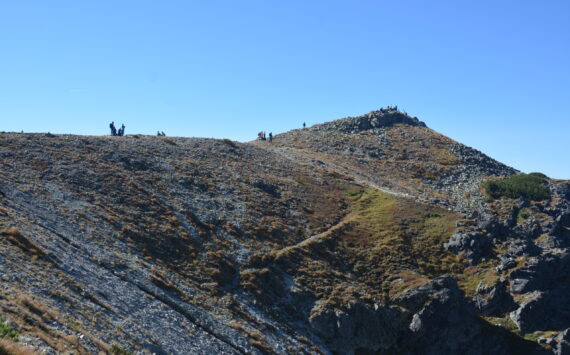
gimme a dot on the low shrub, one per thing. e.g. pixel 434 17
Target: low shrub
pixel 540 175
pixel 531 186
pixel 229 142
pixel 118 350
pixel 169 141
pixel 6 331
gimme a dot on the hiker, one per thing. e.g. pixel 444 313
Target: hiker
pixel 113 129
pixel 164 135
pixel 270 137
pixel 122 130
pixel 304 125
pixel 158 133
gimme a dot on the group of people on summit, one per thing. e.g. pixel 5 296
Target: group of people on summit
pixel 115 132
pixel 261 135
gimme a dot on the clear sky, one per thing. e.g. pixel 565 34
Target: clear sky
pixel 494 75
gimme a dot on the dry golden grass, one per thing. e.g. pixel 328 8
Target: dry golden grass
pixel 161 280
pixel 8 347
pixel 15 237
pixel 383 237
pixel 262 346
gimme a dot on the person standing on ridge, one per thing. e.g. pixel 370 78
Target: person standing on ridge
pixel 270 137
pixel 113 129
pixel 304 125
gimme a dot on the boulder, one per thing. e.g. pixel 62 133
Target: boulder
pixel 358 327
pixel 523 247
pixel 562 189
pixel 474 244
pixel 548 310
pixel 497 301
pixel 442 321
pixel 548 271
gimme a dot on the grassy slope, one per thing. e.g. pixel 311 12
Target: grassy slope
pixel 386 244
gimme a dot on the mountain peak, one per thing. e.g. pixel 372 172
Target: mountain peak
pixel 384 117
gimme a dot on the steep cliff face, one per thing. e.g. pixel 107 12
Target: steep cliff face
pixel 364 235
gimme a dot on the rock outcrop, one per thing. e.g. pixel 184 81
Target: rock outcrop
pixel 371 121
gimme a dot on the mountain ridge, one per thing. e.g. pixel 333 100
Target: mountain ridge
pixel 322 241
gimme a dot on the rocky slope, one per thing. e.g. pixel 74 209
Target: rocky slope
pixel 363 235
pixel 389 150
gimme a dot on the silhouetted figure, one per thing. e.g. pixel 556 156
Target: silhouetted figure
pixel 270 137
pixel 113 129
pixel 158 133
pixel 122 130
pixel 164 135
pixel 304 125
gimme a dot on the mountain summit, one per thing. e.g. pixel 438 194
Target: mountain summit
pixel 384 117
pixel 371 234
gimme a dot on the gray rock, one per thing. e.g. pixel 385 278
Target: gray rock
pixel 506 263
pixel 549 310
pixel 357 327
pixel 563 343
pixel 520 286
pixel 497 302
pixel 523 247
pixel 545 272
pixel 441 321
pixel 562 189
pixel 373 120
pixel 474 244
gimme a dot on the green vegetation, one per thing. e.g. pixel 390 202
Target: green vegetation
pixel 400 234
pixel 169 141
pixel 118 350
pixel 6 331
pixel 471 276
pixel 383 238
pixel 522 214
pixel 504 322
pixel 229 142
pixel 354 193
pixel 531 186
pixel 540 175
pixel 507 323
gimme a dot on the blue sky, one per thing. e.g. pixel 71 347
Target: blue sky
pixel 491 74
